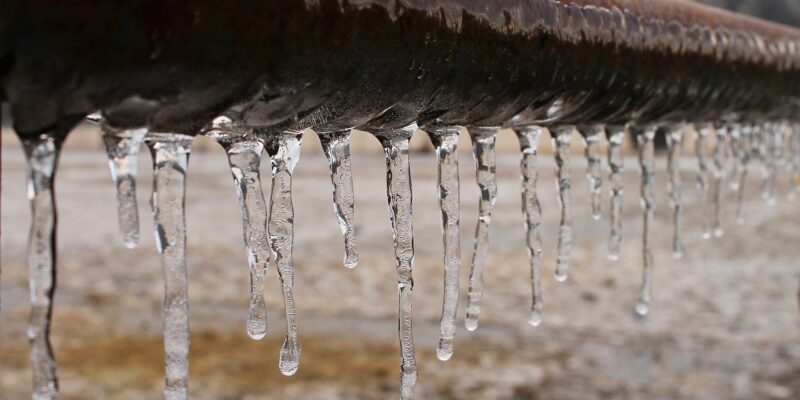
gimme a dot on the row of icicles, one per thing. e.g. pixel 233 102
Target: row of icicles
pixel 724 155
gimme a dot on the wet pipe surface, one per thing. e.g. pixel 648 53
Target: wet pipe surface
pixel 254 77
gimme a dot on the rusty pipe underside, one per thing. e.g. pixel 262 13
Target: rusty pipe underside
pixel 331 65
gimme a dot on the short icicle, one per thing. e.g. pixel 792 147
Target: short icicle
pixel 483 151
pixel 701 150
pixel 594 166
pixel 562 140
pixel 616 135
pixel 284 151
pixel 42 156
pixel 244 157
pixel 674 141
pixel 122 148
pixel 745 156
pixel 170 162
pixel 793 165
pixel 647 164
pixel 532 209
pixel 719 173
pixel 337 148
pixel 446 142
pixel 398 189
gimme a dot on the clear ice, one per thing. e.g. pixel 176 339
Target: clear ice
pixel 398 190
pixel 170 162
pixel 284 149
pixel 42 160
pixel 532 209
pixel 720 172
pixel 674 141
pixel 594 166
pixel 446 142
pixel 122 148
pixel 244 157
pixel 616 135
pixel 337 149
pixel 483 151
pixel 647 164
pixel 745 153
pixel 701 150
pixel 562 141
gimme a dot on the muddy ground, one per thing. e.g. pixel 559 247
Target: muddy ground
pixel 725 321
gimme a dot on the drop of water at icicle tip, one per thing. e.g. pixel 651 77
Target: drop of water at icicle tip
pixel 642 309
pixel 445 350
pixel 706 235
pixel 535 318
pixel 290 358
pixel 471 324
pixel 561 276
pixel 613 257
pixel 678 255
pixel 257 319
pixel 719 233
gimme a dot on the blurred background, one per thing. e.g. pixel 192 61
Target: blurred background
pixel 724 325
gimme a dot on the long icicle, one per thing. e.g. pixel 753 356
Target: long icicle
pixel 42 157
pixel 122 148
pixel 616 135
pixel 594 166
pixel 772 146
pixel 532 209
pixel 244 158
pixel 674 141
pixel 284 150
pixel 562 142
pixel 446 142
pixel 720 159
pixel 337 148
pixel 483 151
pixel 398 189
pixel 647 164
pixel 170 162
pixel 701 150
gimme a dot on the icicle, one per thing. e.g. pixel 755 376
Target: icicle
pixel 702 175
pixel 337 149
pixel 244 157
pixel 483 143
pixel 446 142
pixel 42 156
pixel 720 159
pixel 398 189
pixel 532 209
pixel 616 134
pixel 647 164
pixel 773 137
pixel 562 140
pixel 794 163
pixel 746 151
pixel 736 154
pixel 674 140
pixel 170 163
pixel 122 148
pixel 594 166
pixel 284 150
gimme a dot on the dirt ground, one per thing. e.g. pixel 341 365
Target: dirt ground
pixel 725 322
